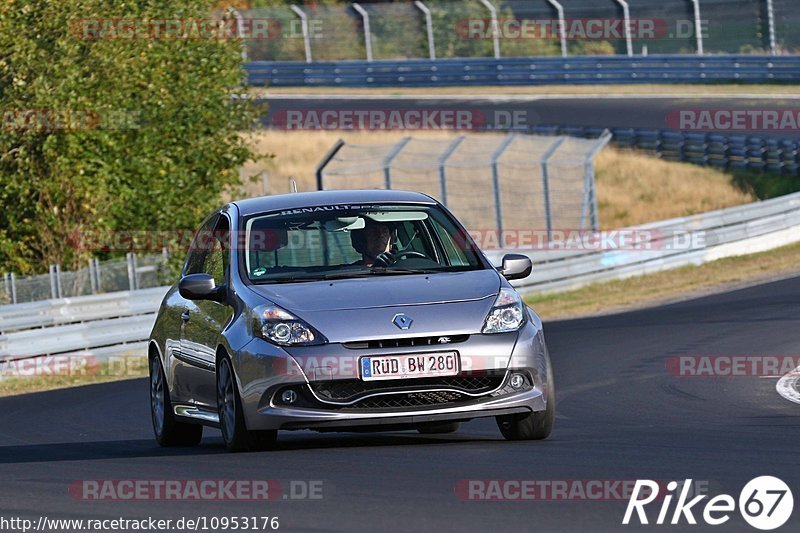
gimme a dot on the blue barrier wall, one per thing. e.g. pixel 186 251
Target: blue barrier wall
pixel 528 71
pixel 723 151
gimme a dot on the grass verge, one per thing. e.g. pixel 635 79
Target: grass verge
pixel 670 285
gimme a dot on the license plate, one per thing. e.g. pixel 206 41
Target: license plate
pixel 377 367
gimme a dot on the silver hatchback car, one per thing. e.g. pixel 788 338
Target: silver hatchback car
pixel 344 311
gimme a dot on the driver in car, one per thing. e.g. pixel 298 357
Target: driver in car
pixel 374 242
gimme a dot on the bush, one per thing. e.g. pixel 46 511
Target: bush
pixel 127 133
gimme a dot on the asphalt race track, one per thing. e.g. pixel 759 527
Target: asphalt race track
pixel 621 416
pixel 604 111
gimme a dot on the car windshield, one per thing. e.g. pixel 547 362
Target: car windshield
pixel 330 242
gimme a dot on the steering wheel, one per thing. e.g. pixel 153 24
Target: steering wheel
pixel 388 258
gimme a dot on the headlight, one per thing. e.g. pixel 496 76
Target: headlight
pixel 281 327
pixel 507 314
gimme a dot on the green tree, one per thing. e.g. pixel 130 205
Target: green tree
pixel 149 133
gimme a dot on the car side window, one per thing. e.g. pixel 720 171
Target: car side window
pixel 200 245
pixel 217 258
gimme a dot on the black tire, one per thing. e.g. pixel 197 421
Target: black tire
pixel 167 429
pixel 438 427
pixel 231 415
pixel 532 426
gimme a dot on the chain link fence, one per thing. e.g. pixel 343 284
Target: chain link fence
pixel 491 182
pixel 130 273
pixel 430 29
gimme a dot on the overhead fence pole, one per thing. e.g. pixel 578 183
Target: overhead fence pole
pixel 698 27
pixel 495 27
pixel 626 16
pixel 428 27
pixel 53 286
pixel 13 280
pixel 387 162
pixel 590 201
pixel 241 31
pixel 562 26
pixel 304 28
pixel 442 166
pixel 498 201
pixel 771 22
pixel 367 34
pixel 324 163
pixel 548 215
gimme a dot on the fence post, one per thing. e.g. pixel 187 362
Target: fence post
pixel 53 287
pixel 698 27
pixel 59 288
pixel 498 203
pixel 367 34
pixel 495 28
pixel 626 15
pixel 546 183
pixel 13 288
pixel 387 161
pixel 325 160
pixel 590 195
pixel 92 279
pixel 7 285
pixel 131 271
pixel 771 22
pixel 241 32
pixel 442 161
pixel 98 278
pixel 562 26
pixel 304 28
pixel 428 27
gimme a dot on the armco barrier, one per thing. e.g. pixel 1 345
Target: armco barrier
pixel 728 232
pixel 527 71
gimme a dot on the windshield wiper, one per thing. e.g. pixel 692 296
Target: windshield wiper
pixel 388 271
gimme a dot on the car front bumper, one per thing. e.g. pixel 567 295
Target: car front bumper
pixel 264 370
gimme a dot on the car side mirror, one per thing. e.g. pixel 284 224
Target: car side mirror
pixel 200 287
pixel 516 266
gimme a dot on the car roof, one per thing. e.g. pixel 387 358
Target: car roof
pixel 296 200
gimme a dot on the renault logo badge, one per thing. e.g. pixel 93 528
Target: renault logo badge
pixel 402 321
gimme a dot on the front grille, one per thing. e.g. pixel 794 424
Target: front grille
pixel 404 401
pixel 435 340
pixel 348 390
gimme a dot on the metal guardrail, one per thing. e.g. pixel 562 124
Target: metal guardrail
pixel 64 311
pixel 527 71
pixel 728 152
pixel 727 232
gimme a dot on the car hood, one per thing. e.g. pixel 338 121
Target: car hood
pixel 382 291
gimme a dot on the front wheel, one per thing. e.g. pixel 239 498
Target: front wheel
pixel 532 426
pixel 231 416
pixel 168 430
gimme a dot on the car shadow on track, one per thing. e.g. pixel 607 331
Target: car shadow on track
pixel 135 448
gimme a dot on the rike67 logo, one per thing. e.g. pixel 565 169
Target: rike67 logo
pixel 765 503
